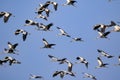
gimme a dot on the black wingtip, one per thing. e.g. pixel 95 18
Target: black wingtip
pixel 77 58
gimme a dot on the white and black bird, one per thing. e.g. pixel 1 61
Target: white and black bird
pixel 55 59
pixel 100 63
pixel 77 39
pixel 46 27
pixel 103 34
pixel 9 51
pixel 46 44
pixel 42 17
pixel 47 11
pixel 62 73
pixel 116 27
pixel 12 46
pixel 5 15
pixel 103 53
pixel 12 60
pixel 70 2
pixel 82 60
pixel 55 5
pixel 70 65
pixel 87 75
pixel 62 32
pixel 44 6
pixel 23 32
pixel 29 22
pixel 35 77
pixel 100 27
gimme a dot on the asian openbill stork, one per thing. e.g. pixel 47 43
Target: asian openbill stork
pixel 62 32
pixel 29 22
pixel 116 27
pixel 5 15
pixel 46 27
pixel 70 2
pixel 23 32
pixel 11 48
pixel 46 44
pixel 55 59
pixel 62 73
pixel 55 5
pixel 103 34
pixel 12 60
pixel 103 53
pixel 77 39
pixel 9 51
pixel 42 17
pixel 70 65
pixel 87 75
pixel 35 77
pixel 100 63
pixel 82 60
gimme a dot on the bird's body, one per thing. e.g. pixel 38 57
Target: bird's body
pixel 100 27
pixel 103 53
pixel 6 16
pixel 12 46
pixel 46 44
pixel 87 75
pixel 70 2
pixel 62 73
pixel 76 39
pixel 46 27
pixel 70 65
pixel 100 63
pixel 42 17
pixel 55 5
pixel 116 28
pixel 82 60
pixel 55 59
pixel 23 32
pixel 9 51
pixel 29 22
pixel 35 76
pixel 12 60
pixel 62 32
pixel 103 34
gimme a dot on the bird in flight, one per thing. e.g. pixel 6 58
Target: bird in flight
pixel 103 53
pixel 45 27
pixel 82 60
pixel 100 63
pixel 5 15
pixel 46 44
pixel 35 77
pixel 62 32
pixel 23 32
pixel 62 73
pixel 70 2
pixel 87 75
pixel 55 59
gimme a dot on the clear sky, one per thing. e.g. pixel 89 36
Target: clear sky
pixel 77 21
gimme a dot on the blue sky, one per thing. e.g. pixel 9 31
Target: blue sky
pixel 77 21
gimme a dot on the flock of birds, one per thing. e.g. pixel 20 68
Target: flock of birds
pixel 43 12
